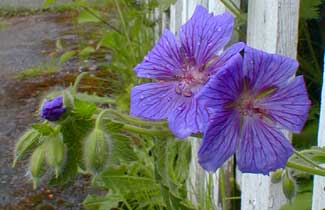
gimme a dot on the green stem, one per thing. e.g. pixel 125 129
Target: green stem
pixel 100 19
pixel 304 168
pixel 99 118
pixel 230 8
pixel 146 131
pixel 134 120
pixel 298 154
pixel 222 188
pixel 233 198
pixel 78 79
pixel 124 28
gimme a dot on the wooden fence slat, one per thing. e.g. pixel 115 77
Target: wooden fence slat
pixel 272 27
pixel 319 182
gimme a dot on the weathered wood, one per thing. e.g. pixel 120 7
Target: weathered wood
pixel 272 27
pixel 319 182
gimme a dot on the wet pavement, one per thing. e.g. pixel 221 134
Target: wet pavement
pixel 25 42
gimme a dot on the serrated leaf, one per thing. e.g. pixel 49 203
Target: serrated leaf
pixel 107 202
pixel 74 131
pixel 89 15
pixel 66 56
pixel 83 109
pixel 121 149
pixel 43 128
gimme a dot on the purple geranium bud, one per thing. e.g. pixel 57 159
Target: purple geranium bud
pixel 53 109
pixel 180 68
pixel 249 104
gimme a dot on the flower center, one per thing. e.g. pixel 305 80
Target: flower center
pixel 247 106
pixel 190 81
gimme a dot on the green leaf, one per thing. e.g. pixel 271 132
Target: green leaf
pixel 121 149
pixel 66 56
pixel 300 202
pixel 107 202
pixel 43 128
pixel 86 16
pixel 83 109
pixel 74 131
pixel 47 3
pixel 25 143
pixel 309 9
pixel 84 53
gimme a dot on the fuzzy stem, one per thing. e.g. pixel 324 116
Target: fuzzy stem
pixel 135 120
pixel 99 118
pixel 303 157
pixel 304 168
pixel 146 131
pixel 78 79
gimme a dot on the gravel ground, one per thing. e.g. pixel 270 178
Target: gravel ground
pixel 25 42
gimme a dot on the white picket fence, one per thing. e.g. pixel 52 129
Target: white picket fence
pixel 272 26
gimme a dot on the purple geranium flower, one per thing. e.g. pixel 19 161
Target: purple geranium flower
pixel 53 109
pixel 249 105
pixel 180 69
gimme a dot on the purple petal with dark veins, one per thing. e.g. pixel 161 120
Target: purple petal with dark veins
pixel 225 87
pixel 187 118
pixel 205 34
pixel 263 148
pixel 265 70
pixel 220 139
pixel 224 58
pixel 288 105
pixel 154 101
pixel 164 61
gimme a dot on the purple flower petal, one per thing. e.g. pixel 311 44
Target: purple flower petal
pixel 153 101
pixel 263 148
pixel 53 109
pixel 204 34
pixel 187 118
pixel 164 61
pixel 289 105
pixel 266 70
pixel 224 87
pixel 220 140
pixel 224 58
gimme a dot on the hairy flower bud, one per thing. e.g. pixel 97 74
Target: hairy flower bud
pixel 276 176
pixel 53 109
pixel 25 143
pixel 288 186
pixel 55 152
pixel 36 163
pixel 68 100
pixel 96 150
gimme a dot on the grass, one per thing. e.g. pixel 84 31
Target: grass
pixel 10 11
pixel 36 71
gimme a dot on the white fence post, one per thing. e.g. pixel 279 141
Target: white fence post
pixel 319 182
pixel 272 27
